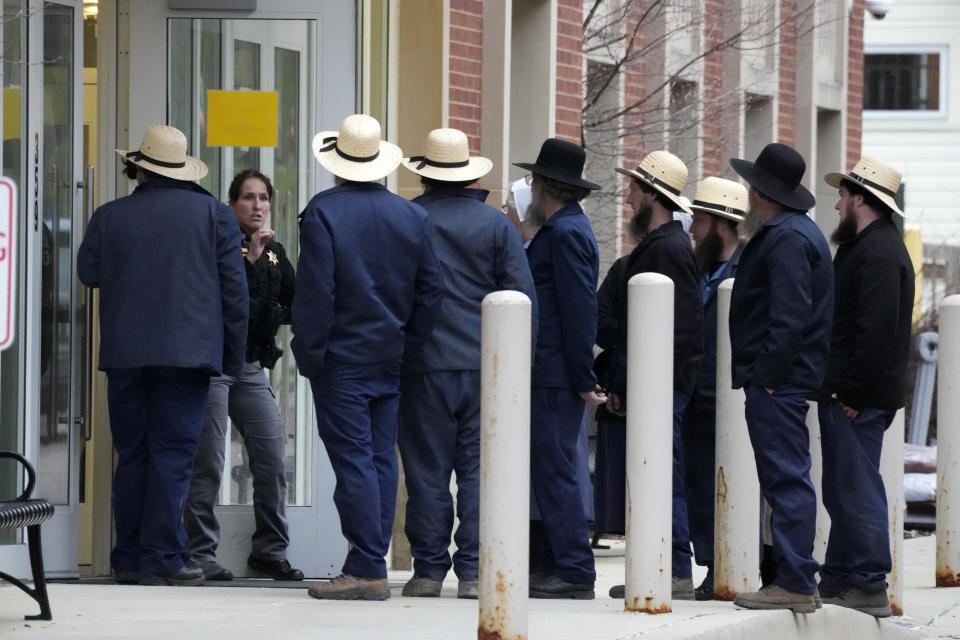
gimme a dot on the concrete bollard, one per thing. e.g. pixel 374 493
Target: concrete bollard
pixel 737 528
pixel 504 465
pixel 948 445
pixel 891 468
pixel 816 478
pixel 649 443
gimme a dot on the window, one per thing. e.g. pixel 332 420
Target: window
pixel 904 81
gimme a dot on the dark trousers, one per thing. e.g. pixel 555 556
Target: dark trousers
pixel 439 433
pixel 156 418
pixel 699 449
pixel 681 525
pixel 249 402
pixel 357 420
pixel 858 549
pixel 781 447
pixel 555 418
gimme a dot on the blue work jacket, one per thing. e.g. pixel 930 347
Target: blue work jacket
pixel 705 393
pixel 479 252
pixel 173 290
pixel 782 305
pixel 564 261
pixel 368 283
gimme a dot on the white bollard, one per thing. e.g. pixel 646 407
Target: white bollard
pixel 504 465
pixel 948 444
pixel 891 468
pixel 649 443
pixel 736 522
pixel 822 535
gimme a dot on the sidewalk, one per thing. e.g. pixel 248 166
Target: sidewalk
pixel 112 611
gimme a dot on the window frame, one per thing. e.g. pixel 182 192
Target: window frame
pixel 942 50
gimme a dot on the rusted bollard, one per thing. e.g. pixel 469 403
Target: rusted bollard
pixel 504 465
pixel 649 443
pixel 891 468
pixel 948 444
pixel 737 526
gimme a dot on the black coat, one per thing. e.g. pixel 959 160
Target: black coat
pixel 871 319
pixel 271 282
pixel 665 250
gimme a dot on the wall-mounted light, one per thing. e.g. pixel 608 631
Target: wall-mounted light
pixel 879 8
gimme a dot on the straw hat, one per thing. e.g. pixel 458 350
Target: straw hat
pixel 356 152
pixel 164 152
pixel 447 158
pixel 724 198
pixel 777 173
pixel 664 172
pixel 878 178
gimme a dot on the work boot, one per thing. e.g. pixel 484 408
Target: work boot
pixel 276 569
pixel 555 587
pixel 872 603
pixel 212 571
pixel 347 587
pixel 773 596
pixel 680 589
pixel 191 575
pixel 418 587
pixel 468 590
pixel 126 577
pixel 705 590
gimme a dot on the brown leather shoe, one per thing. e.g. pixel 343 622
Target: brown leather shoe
pixel 773 596
pixel 347 587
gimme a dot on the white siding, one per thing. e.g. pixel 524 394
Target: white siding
pixel 926 150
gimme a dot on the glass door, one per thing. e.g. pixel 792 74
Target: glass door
pixel 307 59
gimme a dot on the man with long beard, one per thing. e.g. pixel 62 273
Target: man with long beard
pixel 864 385
pixel 718 207
pixel 655 188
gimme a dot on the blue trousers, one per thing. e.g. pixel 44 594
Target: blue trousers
pixel 357 420
pixel 439 433
pixel 781 447
pixel 699 449
pixel 858 549
pixel 680 526
pixel 555 418
pixel 156 418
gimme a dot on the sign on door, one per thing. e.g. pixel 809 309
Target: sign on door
pixel 8 232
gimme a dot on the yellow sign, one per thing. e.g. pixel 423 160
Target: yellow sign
pixel 11 114
pixel 241 118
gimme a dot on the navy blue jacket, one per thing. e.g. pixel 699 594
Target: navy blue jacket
pixel 368 282
pixel 666 250
pixel 782 306
pixel 565 263
pixel 705 393
pixel 173 290
pixel 479 252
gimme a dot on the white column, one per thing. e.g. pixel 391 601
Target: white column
pixel 649 443
pixel 948 444
pixel 737 524
pixel 891 468
pixel 504 465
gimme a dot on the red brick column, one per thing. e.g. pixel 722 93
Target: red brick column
pixel 787 90
pixel 712 118
pixel 466 66
pixel 855 84
pixel 569 70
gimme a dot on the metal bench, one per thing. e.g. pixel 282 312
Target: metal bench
pixel 24 512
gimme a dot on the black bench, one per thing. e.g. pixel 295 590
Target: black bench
pixel 24 512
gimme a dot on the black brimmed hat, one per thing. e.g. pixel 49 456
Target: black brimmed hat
pixel 777 173
pixel 561 161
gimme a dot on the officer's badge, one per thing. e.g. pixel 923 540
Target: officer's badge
pixel 272 257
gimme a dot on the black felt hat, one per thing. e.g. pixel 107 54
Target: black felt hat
pixel 561 161
pixel 777 173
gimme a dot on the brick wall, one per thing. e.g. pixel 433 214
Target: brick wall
pixel 855 84
pixel 712 127
pixel 466 66
pixel 569 69
pixel 787 90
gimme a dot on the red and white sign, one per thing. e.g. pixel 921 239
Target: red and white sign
pixel 8 262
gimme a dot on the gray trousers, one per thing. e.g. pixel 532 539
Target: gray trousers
pixel 251 405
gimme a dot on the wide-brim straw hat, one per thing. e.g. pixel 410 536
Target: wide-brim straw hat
pixel 664 172
pixel 356 152
pixel 878 178
pixel 446 157
pixel 164 152
pixel 777 173
pixel 719 197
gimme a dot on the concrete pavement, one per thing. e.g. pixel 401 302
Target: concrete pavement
pixel 113 611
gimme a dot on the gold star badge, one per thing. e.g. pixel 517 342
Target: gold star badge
pixel 272 257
